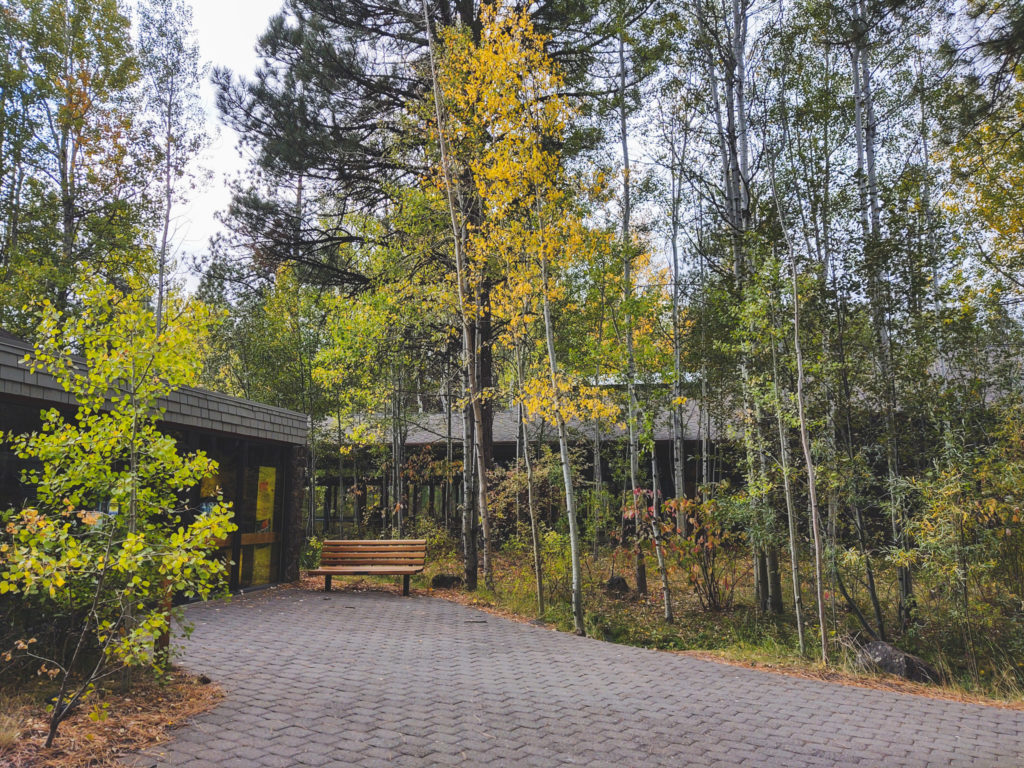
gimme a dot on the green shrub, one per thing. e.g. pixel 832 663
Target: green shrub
pixel 441 544
pixel 311 549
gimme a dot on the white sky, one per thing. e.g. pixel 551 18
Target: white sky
pixel 227 31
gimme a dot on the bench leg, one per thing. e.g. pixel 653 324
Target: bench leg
pixel 405 585
pixel 327 583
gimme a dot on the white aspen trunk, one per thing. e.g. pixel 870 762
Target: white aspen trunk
pixel 468 342
pixel 739 17
pixel 811 479
pixel 168 203
pixel 794 554
pixel 678 456
pixel 858 125
pixel 340 496
pixel 563 447
pixel 398 456
pixel 804 440
pixel 599 494
pixel 659 551
pixel 449 452
pixel 598 488
pixel 469 551
pixel 821 246
pixel 69 195
pixel 627 279
pixel 480 460
pixel 866 121
pixel 870 122
pixel 704 415
pixel 766 559
pixel 538 562
pixel 731 122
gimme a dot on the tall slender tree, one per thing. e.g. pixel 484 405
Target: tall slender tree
pixel 171 75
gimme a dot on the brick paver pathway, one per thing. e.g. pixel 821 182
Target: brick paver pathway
pixel 374 679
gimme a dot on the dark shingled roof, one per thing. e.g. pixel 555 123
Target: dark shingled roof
pixel 188 407
pixel 427 428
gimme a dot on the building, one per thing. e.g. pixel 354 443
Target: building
pixel 356 486
pixel 260 449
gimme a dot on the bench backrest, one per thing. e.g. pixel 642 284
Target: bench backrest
pixel 412 552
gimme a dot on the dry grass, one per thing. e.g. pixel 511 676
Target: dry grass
pixel 125 722
pixel 878 681
pixel 10 729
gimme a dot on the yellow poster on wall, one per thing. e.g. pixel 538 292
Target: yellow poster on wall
pixel 265 494
pixel 261 563
pixel 265 500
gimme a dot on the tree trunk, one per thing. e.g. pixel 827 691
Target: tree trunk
pixel 538 561
pixel 469 553
pixel 866 129
pixel 761 579
pixel 809 460
pixel 659 550
pixel 627 282
pixel 794 554
pixel 563 446
pixel 678 445
pixel 480 460
pixel 469 342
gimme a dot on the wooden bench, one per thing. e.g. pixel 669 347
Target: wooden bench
pixel 387 557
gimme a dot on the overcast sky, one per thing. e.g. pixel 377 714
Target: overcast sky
pixel 227 32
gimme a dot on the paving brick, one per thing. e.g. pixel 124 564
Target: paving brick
pixel 367 679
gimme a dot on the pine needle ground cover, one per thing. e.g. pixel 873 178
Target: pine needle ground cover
pixel 115 722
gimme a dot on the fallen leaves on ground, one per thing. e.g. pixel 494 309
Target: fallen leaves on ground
pixel 136 720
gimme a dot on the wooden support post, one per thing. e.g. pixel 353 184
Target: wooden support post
pixel 327 583
pixel 405 585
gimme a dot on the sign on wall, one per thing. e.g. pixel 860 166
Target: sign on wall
pixel 265 494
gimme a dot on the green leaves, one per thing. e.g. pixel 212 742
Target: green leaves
pixel 73 178
pixel 105 541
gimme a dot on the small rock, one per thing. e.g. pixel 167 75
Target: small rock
pixel 617 586
pixel 445 581
pixel 203 680
pixel 879 656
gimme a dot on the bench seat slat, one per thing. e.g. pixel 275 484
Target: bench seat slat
pixel 375 552
pixel 373 564
pixel 418 557
pixel 372 558
pixel 368 551
pixel 402 548
pixel 374 555
pixel 354 543
pixel 381 570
